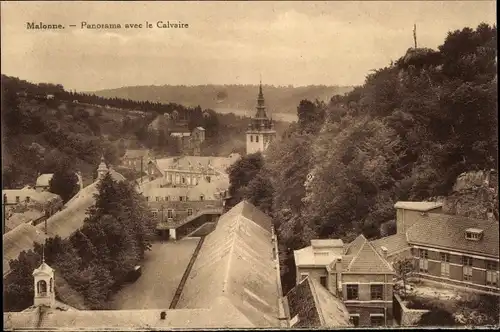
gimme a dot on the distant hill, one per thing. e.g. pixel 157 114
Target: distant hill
pixel 240 97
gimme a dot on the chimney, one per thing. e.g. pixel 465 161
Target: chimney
pixel 384 252
pixel 163 314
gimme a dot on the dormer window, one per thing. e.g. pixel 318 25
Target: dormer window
pixel 473 234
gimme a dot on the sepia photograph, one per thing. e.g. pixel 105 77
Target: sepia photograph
pixel 196 165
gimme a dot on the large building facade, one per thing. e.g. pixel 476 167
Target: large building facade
pixel 354 272
pixel 260 131
pixel 445 249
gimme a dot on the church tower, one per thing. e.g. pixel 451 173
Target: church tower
pixel 260 131
pixel 44 285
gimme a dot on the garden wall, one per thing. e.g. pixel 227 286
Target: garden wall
pixel 409 317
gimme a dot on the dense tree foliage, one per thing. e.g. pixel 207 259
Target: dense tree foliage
pixel 406 134
pixel 64 182
pixel 96 258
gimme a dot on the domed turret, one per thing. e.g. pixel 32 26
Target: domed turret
pixel 102 169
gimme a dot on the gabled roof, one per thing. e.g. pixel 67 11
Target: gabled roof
pixel 312 305
pixel 367 259
pixel 235 266
pixel 417 206
pixel 63 223
pixel 200 128
pixel 448 231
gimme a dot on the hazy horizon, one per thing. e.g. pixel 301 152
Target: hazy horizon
pixel 227 43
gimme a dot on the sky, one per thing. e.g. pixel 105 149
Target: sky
pixel 285 43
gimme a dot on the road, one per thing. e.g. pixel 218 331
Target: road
pixel 162 271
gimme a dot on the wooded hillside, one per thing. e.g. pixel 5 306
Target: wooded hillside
pixel 239 97
pixel 406 134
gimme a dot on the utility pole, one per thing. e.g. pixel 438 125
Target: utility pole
pixel 415 34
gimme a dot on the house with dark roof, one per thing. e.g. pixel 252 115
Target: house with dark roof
pixel 310 305
pixel 354 272
pixel 447 249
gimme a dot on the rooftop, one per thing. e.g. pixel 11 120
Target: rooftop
pixel 125 319
pixel 312 305
pixel 35 196
pixel 448 231
pixel 417 206
pixel 393 243
pixel 235 266
pixel 359 257
pixel 137 153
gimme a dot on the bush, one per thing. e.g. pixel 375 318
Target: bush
pixel 437 317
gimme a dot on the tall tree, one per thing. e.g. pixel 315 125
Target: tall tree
pixel 64 182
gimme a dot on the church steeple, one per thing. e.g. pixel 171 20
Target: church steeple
pixel 261 107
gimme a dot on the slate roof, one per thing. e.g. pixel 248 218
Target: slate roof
pixel 417 206
pixel 235 266
pixel 393 243
pixel 448 231
pixel 366 259
pixel 314 306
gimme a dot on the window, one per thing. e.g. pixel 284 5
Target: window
pixel 157 198
pixel 491 273
pixel 183 180
pixel 257 139
pixel 377 320
pixel 467 268
pixel 424 253
pixel 147 198
pixel 322 280
pixel 251 138
pixel 202 197
pixel 181 198
pixel 167 198
pixel 354 319
pixel 352 292
pixel 170 213
pixel 190 212
pixel 445 264
pixel 377 292
pixel 467 261
pixel 155 213
pixel 27 199
pixel 17 199
pixel 42 287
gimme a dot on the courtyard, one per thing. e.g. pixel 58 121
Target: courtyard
pixel 451 306
pixel 162 270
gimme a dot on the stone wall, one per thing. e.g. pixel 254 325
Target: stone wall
pixel 409 317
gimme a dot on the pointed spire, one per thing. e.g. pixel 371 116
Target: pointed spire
pixel 43 253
